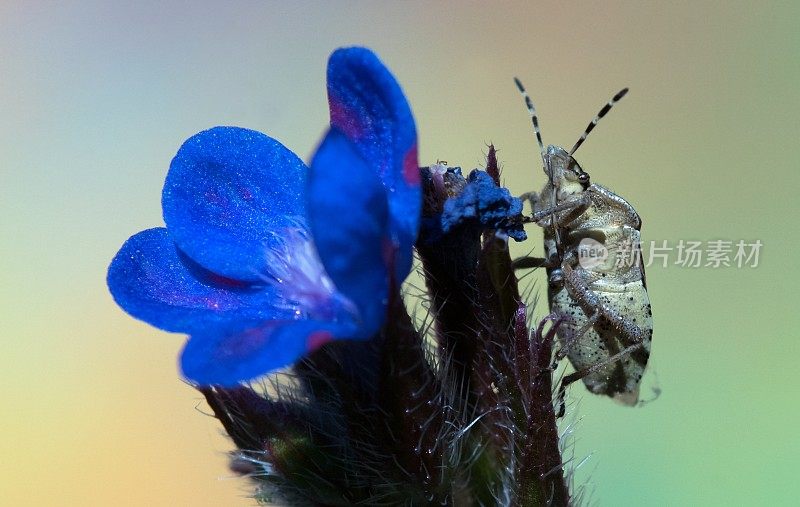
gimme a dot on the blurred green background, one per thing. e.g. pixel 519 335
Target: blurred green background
pixel 96 97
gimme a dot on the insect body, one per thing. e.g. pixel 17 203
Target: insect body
pixel 595 274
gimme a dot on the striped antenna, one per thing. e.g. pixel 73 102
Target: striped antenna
pixel 596 119
pixel 532 112
pixel 546 166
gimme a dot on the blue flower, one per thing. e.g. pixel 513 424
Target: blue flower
pixel 482 204
pixel 263 259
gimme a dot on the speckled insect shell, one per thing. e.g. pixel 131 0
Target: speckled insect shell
pixel 619 285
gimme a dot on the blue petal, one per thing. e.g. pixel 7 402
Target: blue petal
pixel 348 217
pixel 229 194
pixel 367 104
pixel 227 355
pixel 153 281
pixel 485 205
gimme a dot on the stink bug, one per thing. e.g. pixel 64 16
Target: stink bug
pixel 596 280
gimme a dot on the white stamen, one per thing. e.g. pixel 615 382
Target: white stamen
pixel 295 268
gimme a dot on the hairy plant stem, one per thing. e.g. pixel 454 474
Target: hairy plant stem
pixel 383 422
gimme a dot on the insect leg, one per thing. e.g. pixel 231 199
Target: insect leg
pixel 631 336
pixel 629 333
pixel 579 375
pixel 575 206
pixel 530 263
pixel 571 206
pixel 532 198
pixel 562 352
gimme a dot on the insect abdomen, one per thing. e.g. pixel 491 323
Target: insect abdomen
pixel 619 379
